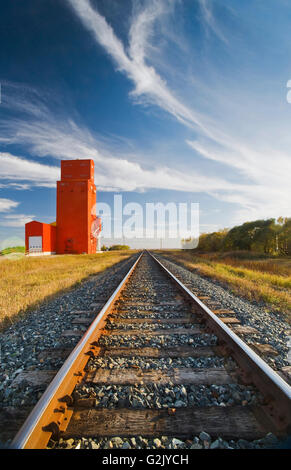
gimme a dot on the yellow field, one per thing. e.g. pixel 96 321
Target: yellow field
pixel 27 281
pixel 267 280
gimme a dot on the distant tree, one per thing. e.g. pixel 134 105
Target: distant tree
pixel 119 247
pixel 282 220
pixel 12 249
pixel 103 248
pixel 212 241
pixel 263 236
pixel 259 235
pixel 284 237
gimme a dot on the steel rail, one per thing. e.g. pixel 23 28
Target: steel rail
pixel 32 434
pixel 35 432
pixel 269 382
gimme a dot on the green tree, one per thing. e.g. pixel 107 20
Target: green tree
pixel 212 241
pixel 259 235
pixel 262 236
pixel 284 237
pixel 119 247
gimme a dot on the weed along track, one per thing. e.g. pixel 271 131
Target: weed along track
pixel 158 369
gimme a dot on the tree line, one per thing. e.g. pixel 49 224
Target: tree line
pixel 271 236
pixel 115 247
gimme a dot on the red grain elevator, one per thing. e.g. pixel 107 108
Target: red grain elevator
pixel 77 229
pixel 76 208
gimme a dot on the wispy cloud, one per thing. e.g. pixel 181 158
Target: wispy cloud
pixel 266 194
pixel 7 204
pixel 45 134
pixel 49 135
pixel 260 170
pixel 16 220
pixel 266 169
pixel 112 174
pixel 149 87
pixel 209 19
pixel 16 186
pixel 37 174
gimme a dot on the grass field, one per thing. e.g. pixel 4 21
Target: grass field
pixel 26 282
pixel 262 279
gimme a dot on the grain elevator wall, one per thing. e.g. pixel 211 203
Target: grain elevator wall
pixel 76 207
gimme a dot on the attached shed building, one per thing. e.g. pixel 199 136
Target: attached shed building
pixel 40 238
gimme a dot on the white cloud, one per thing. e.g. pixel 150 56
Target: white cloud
pixel 267 192
pixel 17 186
pixel 7 204
pixel 15 168
pixel 149 86
pixel 209 19
pixel 55 136
pixel 16 220
pixel 112 174
pixel 259 161
pixel 266 169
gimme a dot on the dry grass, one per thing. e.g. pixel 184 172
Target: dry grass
pixel 267 280
pixel 277 266
pixel 26 282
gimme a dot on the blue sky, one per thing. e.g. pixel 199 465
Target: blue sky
pixel 176 101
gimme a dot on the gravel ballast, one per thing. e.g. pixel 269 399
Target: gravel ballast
pixel 159 341
pixel 149 363
pixel 42 329
pixel 203 441
pixel 272 327
pixel 23 347
pixel 168 396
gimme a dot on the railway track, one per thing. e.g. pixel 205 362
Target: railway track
pixel 157 364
